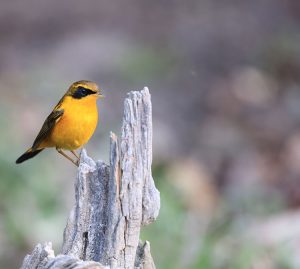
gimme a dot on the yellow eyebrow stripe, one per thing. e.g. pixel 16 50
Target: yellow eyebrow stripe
pixel 85 86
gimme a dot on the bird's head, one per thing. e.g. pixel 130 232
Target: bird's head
pixel 83 88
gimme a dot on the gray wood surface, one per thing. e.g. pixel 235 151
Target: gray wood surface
pixel 112 201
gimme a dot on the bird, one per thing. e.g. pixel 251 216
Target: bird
pixel 71 123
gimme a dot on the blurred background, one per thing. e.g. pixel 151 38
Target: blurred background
pixel 225 83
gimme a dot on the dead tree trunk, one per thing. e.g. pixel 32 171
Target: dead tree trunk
pixel 112 202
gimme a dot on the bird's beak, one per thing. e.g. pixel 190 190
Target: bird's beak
pixel 100 95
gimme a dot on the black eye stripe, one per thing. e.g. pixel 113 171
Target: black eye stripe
pixel 82 92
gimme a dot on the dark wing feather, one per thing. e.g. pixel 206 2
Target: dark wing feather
pixel 47 126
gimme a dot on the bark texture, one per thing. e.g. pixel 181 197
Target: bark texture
pixel 112 201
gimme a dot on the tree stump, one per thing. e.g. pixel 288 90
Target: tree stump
pixel 112 202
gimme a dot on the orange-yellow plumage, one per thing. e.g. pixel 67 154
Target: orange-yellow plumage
pixel 71 123
pixel 76 125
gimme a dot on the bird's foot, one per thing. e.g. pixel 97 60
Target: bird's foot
pixel 75 154
pixel 76 162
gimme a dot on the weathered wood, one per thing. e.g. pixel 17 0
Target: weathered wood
pixel 112 202
pixel 43 257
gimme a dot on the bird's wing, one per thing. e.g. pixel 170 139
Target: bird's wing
pixel 48 126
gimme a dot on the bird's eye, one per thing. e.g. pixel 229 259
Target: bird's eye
pixel 82 92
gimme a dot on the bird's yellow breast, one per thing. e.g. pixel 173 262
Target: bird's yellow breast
pixel 77 124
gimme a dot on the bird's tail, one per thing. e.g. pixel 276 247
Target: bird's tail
pixel 28 155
